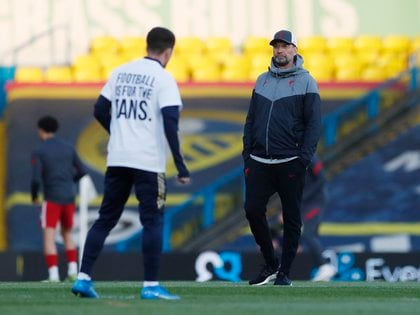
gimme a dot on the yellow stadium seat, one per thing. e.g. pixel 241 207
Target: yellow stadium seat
pixel 59 74
pixel 206 74
pixel 219 57
pixel 373 73
pixel 89 60
pixel 29 74
pixel 318 61
pixel 237 62
pixel 199 61
pixel 179 69
pixel 340 44
pixel 234 75
pixel 368 43
pixel 111 60
pixel 390 60
pixel 133 45
pixel 394 69
pixel 218 44
pixel 322 74
pixel 367 57
pixel 218 48
pixel 260 62
pixel 346 59
pixel 105 73
pixel 347 74
pixel 257 45
pixel 236 68
pixel 88 75
pixel 105 44
pixel 415 45
pixel 396 44
pixel 189 46
pixel 254 73
pixel 176 57
pixel 130 56
pixel 312 44
pixel 109 64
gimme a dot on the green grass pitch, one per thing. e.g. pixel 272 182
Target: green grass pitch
pixel 214 298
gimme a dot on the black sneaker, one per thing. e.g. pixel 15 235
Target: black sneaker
pixel 266 274
pixel 282 279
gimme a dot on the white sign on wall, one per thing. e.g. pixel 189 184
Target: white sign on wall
pixel 54 32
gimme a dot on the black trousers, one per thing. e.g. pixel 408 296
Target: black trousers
pixel 150 189
pixel 262 181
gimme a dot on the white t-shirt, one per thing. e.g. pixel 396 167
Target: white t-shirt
pixel 138 91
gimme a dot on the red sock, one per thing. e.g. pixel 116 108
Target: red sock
pixel 51 260
pixel 71 255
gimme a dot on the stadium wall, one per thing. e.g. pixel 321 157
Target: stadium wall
pixel 211 131
pixel 43 32
pixel 226 266
pixel 212 123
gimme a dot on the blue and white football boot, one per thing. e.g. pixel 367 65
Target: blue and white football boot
pixel 157 293
pixel 84 288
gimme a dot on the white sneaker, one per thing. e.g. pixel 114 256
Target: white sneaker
pixel 325 273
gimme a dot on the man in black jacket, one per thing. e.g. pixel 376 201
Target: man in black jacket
pixel 281 133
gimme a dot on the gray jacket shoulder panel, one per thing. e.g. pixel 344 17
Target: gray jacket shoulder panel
pixel 274 88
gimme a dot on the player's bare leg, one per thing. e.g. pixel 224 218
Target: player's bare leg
pixel 50 252
pixel 71 254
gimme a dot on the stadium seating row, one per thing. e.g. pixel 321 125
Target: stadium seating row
pixel 364 58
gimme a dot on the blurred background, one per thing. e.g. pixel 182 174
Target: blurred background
pixel 56 55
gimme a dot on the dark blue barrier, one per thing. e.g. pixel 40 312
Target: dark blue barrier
pixel 207 211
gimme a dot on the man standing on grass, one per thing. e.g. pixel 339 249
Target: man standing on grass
pixel 139 106
pixel 281 134
pixel 56 165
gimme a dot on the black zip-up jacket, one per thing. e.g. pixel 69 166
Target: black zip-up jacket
pixel 284 116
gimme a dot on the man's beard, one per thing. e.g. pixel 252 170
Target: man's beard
pixel 281 61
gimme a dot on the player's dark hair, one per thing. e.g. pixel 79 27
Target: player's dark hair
pixel 160 38
pixel 48 124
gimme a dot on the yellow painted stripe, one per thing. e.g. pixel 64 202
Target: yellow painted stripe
pixel 342 94
pixel 216 91
pixel 24 199
pixel 326 229
pixel 53 93
pixel 358 229
pixel 3 242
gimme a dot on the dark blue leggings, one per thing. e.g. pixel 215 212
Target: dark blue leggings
pixel 150 189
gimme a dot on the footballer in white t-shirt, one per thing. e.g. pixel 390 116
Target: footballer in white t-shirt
pixel 139 106
pixel 138 91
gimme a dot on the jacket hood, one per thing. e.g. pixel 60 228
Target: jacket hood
pixel 296 69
